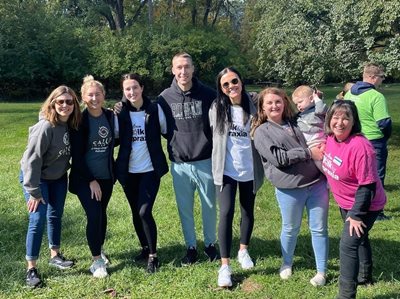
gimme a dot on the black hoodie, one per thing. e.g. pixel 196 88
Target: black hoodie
pixel 188 130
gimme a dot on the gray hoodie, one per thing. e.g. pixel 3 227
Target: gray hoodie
pixel 219 151
pixel 286 159
pixel 46 156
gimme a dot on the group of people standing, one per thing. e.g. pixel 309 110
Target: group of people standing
pixel 217 142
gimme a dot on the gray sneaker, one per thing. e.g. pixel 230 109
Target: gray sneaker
pixel 60 262
pixel 32 278
pixel 98 268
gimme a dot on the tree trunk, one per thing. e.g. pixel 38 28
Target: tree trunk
pixel 219 4
pixel 119 14
pixel 207 12
pixel 170 8
pixel 194 13
pixel 137 13
pixel 150 7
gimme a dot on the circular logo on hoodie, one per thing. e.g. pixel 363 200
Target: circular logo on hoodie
pixel 103 132
pixel 66 138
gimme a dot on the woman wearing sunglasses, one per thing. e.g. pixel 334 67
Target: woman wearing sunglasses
pixel 235 164
pixel 92 171
pixel 44 168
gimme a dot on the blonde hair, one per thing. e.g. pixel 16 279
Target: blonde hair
pixel 302 91
pixel 373 69
pixel 48 110
pixel 288 110
pixel 89 81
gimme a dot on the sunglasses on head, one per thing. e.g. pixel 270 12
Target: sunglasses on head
pixel 234 81
pixel 60 102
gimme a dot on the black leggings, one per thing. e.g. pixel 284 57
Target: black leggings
pixel 141 191
pixel 96 215
pixel 355 255
pixel 226 198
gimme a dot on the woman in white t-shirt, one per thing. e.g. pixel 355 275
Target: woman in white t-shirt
pixel 235 164
pixel 141 162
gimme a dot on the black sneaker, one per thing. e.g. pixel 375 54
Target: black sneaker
pixel 382 217
pixel 143 256
pixel 152 264
pixel 60 262
pixel 190 258
pixel 32 278
pixel 211 252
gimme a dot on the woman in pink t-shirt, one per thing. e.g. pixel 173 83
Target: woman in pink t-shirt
pixel 350 166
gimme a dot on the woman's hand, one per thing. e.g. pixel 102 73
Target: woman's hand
pixel 357 226
pixel 95 190
pixel 117 108
pixel 317 153
pixel 33 203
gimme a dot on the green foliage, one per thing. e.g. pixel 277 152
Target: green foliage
pixel 325 41
pixel 40 48
pixel 149 53
pixel 47 43
pixel 45 47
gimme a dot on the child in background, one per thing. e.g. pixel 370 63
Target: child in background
pixel 311 116
pixel 346 88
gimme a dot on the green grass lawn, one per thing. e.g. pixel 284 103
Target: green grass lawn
pixel 172 281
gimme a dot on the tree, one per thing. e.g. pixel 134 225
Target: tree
pixel 310 41
pixel 38 49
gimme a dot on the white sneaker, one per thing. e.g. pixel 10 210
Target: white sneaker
pixel 98 268
pixel 224 276
pixel 105 258
pixel 245 259
pixel 285 272
pixel 318 280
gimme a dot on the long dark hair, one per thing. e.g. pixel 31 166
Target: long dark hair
pixel 139 79
pixel 223 102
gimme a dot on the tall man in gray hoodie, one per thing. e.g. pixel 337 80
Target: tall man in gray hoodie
pixel 186 104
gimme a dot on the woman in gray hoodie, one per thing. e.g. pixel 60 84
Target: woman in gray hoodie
pixel 288 165
pixel 44 168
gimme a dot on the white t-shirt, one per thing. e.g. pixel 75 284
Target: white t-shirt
pixel 239 156
pixel 139 160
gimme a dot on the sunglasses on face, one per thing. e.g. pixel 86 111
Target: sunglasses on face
pixel 69 102
pixel 234 81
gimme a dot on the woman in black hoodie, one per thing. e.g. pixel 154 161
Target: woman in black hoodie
pixel 92 172
pixel 141 162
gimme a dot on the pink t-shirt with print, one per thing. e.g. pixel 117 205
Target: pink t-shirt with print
pixel 349 164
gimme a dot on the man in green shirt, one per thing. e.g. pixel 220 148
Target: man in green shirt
pixel 374 115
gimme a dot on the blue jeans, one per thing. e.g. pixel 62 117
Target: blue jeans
pixel 292 203
pixel 54 193
pixel 187 177
pixel 380 146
